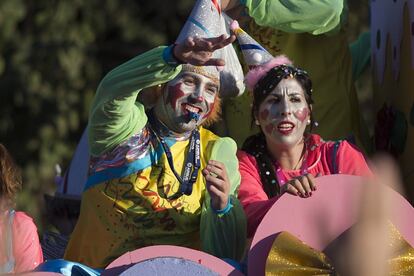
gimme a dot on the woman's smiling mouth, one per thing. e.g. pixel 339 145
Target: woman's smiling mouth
pixel 285 127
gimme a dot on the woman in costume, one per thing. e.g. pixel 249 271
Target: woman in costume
pixel 285 156
pixel 313 34
pixel 19 242
pixel 156 175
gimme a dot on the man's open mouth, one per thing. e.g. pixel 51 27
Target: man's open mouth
pixel 191 108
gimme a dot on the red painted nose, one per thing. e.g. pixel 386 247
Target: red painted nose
pixel 197 99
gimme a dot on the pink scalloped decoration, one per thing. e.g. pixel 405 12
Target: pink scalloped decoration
pixel 323 217
pixel 255 74
pixel 130 258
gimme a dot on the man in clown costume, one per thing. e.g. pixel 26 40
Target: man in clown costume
pixel 312 34
pixel 156 175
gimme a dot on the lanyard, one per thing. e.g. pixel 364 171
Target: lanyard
pixel 192 162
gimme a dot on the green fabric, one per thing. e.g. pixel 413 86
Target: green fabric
pixel 361 54
pixel 297 16
pixel 215 229
pixel 115 114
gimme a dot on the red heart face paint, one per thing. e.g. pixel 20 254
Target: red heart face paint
pixel 264 114
pixel 302 114
pixel 174 93
pixel 187 94
pixel 269 128
pixel 284 113
pixel 210 110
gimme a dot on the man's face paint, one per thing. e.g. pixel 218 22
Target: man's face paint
pixel 284 113
pixel 187 101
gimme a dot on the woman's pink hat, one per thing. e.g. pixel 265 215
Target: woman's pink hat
pixel 256 73
pixel 259 60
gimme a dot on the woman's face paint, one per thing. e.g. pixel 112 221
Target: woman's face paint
pixel 264 114
pixel 188 96
pixel 284 113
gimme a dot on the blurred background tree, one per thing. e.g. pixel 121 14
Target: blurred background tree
pixel 52 56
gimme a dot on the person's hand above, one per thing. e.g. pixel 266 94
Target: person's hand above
pixel 218 184
pixel 229 4
pixel 198 50
pixel 302 186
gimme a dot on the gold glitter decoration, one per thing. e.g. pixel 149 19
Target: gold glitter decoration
pixel 212 74
pixel 289 256
pixel 402 260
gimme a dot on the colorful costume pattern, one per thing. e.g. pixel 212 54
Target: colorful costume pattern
pixel 125 205
pixel 320 160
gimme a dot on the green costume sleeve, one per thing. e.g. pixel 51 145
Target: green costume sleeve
pixel 224 235
pixel 361 54
pixel 297 16
pixel 115 114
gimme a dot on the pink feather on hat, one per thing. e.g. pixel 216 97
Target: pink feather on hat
pixel 258 72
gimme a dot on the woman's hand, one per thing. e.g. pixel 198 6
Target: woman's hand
pixel 302 186
pixel 218 184
pixel 198 50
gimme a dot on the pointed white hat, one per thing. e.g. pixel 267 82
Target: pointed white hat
pixel 254 54
pixel 206 20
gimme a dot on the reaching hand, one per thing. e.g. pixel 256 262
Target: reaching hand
pixel 198 51
pixel 301 186
pixel 218 184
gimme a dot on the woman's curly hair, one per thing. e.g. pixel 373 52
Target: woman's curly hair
pixel 10 179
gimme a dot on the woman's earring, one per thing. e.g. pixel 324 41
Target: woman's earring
pixel 308 122
pixel 257 122
pixel 315 124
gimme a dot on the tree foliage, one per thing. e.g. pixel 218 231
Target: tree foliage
pixel 52 57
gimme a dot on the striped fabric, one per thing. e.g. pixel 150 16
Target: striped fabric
pixel 54 245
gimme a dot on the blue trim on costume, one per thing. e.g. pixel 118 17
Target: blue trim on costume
pixel 251 47
pixel 168 57
pixel 67 268
pixel 198 24
pixel 239 266
pixel 130 168
pixel 225 210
